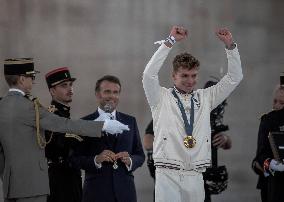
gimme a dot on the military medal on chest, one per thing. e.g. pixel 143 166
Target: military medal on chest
pixel 189 141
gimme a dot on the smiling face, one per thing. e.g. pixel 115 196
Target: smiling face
pixel 185 79
pixel 185 72
pixel 63 92
pixel 108 93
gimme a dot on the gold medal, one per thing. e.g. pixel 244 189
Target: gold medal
pixel 189 141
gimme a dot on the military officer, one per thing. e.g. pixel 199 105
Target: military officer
pixel 22 119
pixel 65 181
pixel 273 170
pixel 270 122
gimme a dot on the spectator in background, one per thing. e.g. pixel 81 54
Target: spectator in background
pixel 277 104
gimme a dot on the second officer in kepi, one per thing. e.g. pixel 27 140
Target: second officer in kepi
pixel 65 181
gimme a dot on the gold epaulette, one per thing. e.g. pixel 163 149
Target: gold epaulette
pixel 77 137
pixel 35 100
pixel 52 108
pixel 30 97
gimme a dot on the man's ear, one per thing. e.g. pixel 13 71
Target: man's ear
pixel 97 94
pixel 21 80
pixel 52 91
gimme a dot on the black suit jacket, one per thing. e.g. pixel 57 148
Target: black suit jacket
pixel 272 185
pixel 272 122
pixel 106 184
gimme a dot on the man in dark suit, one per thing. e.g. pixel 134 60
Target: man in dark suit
pixel 110 161
pixel 272 169
pixel 65 181
pixel 22 119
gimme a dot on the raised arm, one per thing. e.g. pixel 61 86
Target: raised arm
pixel 231 80
pixel 150 75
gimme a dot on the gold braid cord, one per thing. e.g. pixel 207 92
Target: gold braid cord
pixel 40 139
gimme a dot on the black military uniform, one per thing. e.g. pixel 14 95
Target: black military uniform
pixel 257 166
pixel 65 181
pixel 272 122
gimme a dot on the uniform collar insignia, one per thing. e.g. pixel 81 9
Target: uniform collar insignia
pixel 52 108
pixel 60 106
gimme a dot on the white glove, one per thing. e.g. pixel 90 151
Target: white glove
pixel 103 117
pixel 114 127
pixel 277 166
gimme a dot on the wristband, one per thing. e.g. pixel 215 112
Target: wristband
pixel 171 40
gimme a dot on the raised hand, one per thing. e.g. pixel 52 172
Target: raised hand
pixel 225 35
pixel 178 32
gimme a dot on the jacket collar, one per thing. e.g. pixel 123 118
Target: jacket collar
pixel 17 90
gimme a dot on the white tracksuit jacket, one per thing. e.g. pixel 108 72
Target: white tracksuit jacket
pixel 169 130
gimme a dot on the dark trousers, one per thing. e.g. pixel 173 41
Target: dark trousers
pixel 65 184
pixel 207 194
pixel 207 197
pixel 275 187
pixel 263 193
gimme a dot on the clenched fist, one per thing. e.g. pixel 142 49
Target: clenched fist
pixel 225 35
pixel 178 32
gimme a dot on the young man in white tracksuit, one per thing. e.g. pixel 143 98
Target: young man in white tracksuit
pixel 181 115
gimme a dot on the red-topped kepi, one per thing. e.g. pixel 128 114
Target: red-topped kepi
pixel 57 76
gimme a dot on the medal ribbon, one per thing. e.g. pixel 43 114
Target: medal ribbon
pixel 188 126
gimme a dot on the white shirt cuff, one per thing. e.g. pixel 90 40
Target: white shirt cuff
pixel 130 166
pixel 98 165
